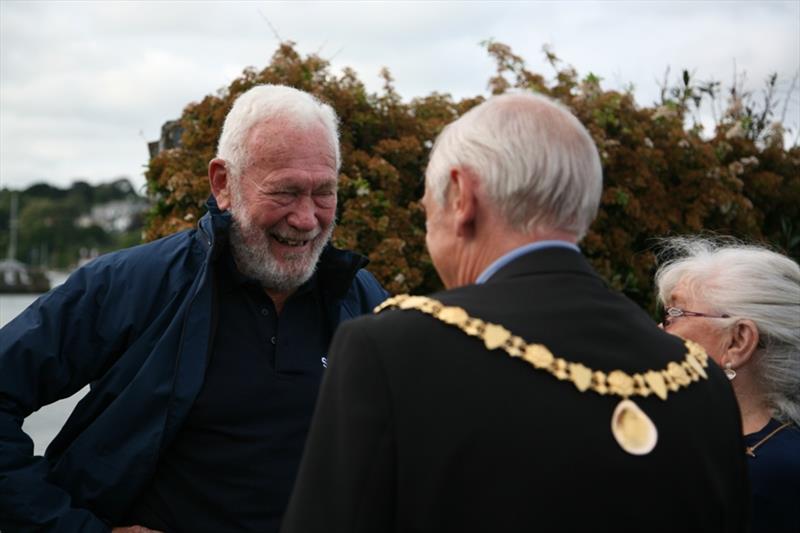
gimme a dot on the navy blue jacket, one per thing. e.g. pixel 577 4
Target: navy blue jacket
pixel 136 325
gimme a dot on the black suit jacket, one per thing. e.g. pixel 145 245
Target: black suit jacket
pixel 419 427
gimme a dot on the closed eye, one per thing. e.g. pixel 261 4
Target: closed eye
pixel 325 198
pixel 283 197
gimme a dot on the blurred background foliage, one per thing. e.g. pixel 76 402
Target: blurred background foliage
pixel 59 227
pixel 664 173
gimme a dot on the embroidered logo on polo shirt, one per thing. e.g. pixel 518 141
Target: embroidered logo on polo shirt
pixel 324 362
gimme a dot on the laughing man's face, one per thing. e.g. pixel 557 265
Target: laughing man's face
pixel 284 204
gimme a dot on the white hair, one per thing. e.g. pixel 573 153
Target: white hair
pixel 535 160
pixel 752 282
pixel 265 103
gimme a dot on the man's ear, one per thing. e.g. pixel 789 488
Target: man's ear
pixel 218 178
pixel 463 201
pixel 742 343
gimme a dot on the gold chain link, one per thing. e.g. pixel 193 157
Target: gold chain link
pixel 659 382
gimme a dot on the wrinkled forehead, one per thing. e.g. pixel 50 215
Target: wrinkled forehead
pixel 283 138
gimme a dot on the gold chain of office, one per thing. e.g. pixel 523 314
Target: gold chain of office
pixel 659 382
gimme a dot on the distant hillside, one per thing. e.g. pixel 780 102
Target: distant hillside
pixel 60 227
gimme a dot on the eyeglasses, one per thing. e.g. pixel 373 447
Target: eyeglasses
pixel 671 313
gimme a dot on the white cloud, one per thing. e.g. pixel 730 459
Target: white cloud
pixel 83 85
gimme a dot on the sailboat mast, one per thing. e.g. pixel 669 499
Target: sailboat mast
pixel 13 227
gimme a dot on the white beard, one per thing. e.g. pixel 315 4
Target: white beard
pixel 251 247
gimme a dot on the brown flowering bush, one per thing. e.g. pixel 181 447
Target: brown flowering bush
pixel 661 176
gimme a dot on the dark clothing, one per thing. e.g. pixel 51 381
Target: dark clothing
pixel 419 427
pixel 233 464
pixel 138 325
pixel 775 479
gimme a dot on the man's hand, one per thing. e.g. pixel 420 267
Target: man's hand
pixel 134 529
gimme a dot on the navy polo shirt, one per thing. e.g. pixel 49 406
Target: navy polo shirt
pixel 232 465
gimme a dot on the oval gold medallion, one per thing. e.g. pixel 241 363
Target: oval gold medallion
pixel 633 429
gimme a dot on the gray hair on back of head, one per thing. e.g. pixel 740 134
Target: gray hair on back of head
pixel 752 282
pixel 264 103
pixel 535 161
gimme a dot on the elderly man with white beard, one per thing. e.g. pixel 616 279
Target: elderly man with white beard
pixel 204 349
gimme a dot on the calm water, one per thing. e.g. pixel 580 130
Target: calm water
pixel 42 425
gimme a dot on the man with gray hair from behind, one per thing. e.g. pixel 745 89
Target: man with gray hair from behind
pixel 529 396
pixel 741 302
pixel 204 349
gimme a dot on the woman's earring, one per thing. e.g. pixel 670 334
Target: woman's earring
pixel 731 373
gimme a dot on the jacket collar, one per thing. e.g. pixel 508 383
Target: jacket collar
pixel 213 227
pixel 336 268
pixel 548 260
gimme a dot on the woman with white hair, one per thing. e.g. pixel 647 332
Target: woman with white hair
pixel 742 304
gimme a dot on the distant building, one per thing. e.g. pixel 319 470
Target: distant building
pixel 171 133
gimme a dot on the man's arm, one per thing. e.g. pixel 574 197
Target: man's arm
pixel 52 350
pixel 347 477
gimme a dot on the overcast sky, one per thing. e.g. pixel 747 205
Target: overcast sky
pixel 85 85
